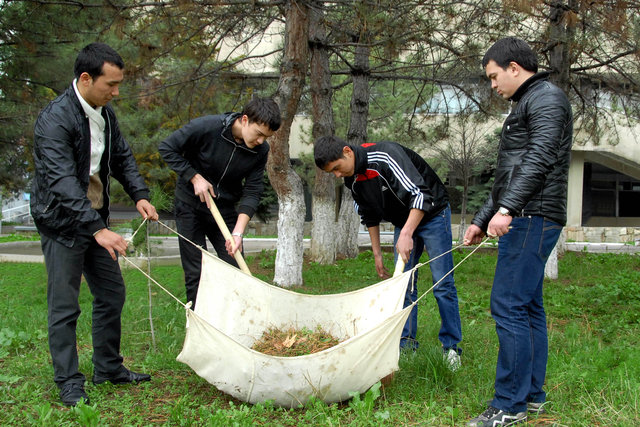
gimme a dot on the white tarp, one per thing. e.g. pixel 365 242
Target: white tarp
pixel 234 309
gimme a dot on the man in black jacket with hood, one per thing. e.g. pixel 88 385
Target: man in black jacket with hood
pixel 527 208
pixel 224 156
pixel 77 148
pixel 393 183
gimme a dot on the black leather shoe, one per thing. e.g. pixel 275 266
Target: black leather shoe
pixel 72 393
pixel 122 377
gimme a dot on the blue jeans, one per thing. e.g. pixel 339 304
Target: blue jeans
pixel 518 310
pixel 435 235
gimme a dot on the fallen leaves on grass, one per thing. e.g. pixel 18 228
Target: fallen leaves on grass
pixel 294 342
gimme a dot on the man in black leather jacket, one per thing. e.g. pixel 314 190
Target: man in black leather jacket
pixel 77 147
pixel 526 209
pixel 224 156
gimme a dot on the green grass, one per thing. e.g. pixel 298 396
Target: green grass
pixel 593 375
pixel 19 237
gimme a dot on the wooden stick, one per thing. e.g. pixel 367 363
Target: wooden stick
pixel 227 234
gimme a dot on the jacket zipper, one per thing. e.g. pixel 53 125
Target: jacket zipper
pixel 108 170
pixel 226 168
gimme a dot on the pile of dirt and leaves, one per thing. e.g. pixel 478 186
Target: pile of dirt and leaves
pixel 293 342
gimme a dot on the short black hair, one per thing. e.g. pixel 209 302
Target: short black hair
pixel 93 56
pixel 263 111
pixel 511 49
pixel 327 149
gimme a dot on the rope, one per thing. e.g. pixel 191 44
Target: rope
pixel 153 280
pixel 450 271
pixel 202 249
pixel 130 239
pixel 181 236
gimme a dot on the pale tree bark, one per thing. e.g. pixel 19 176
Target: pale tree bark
pixel 286 183
pixel 349 221
pixel 551 267
pixel 348 227
pixel 323 236
pixel 561 34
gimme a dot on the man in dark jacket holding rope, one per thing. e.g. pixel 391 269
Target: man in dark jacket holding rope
pixel 223 156
pixel 77 148
pixel 527 208
pixel 393 183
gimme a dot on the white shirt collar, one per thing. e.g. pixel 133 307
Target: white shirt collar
pixel 95 114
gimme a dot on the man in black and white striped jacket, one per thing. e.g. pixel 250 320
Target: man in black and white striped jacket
pixel 393 183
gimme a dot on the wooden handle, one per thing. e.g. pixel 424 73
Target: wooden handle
pixel 399 267
pixel 227 234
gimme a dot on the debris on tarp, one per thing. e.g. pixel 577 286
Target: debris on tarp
pixel 294 342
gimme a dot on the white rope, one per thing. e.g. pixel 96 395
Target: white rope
pixel 130 239
pixel 153 280
pixel 450 271
pixel 202 249
pixel 181 236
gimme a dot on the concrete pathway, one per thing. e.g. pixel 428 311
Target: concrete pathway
pixel 165 249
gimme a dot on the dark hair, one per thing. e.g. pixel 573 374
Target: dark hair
pixel 327 149
pixel 93 56
pixel 264 111
pixel 511 49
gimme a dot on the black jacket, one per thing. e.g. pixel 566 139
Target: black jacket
pixel 390 180
pixel 62 155
pixel 533 158
pixel 205 146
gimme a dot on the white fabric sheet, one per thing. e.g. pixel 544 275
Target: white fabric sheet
pixel 234 309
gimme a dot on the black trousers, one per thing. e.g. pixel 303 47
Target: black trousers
pixel 195 224
pixel 65 267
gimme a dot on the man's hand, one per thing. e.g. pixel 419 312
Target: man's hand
pixel 201 187
pixel 380 268
pixel 112 242
pixel 404 245
pixel 238 244
pixel 147 210
pixel 499 225
pixel 473 235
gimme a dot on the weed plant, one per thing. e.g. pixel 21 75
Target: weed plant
pixel 593 376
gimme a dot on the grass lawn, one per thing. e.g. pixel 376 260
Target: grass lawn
pixel 593 374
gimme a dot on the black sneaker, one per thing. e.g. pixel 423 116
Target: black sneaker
pixel 72 393
pixel 496 417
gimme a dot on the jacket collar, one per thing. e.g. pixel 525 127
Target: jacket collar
pixel 542 76
pixel 228 120
pixel 360 160
pixel 71 94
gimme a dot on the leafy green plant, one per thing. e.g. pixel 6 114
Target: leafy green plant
pixel 363 407
pixel 87 415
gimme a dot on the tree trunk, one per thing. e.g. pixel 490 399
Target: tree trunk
pixel 286 183
pixel 348 227
pixel 323 237
pixel 349 220
pixel 561 33
pixel 551 267
pixel 463 210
